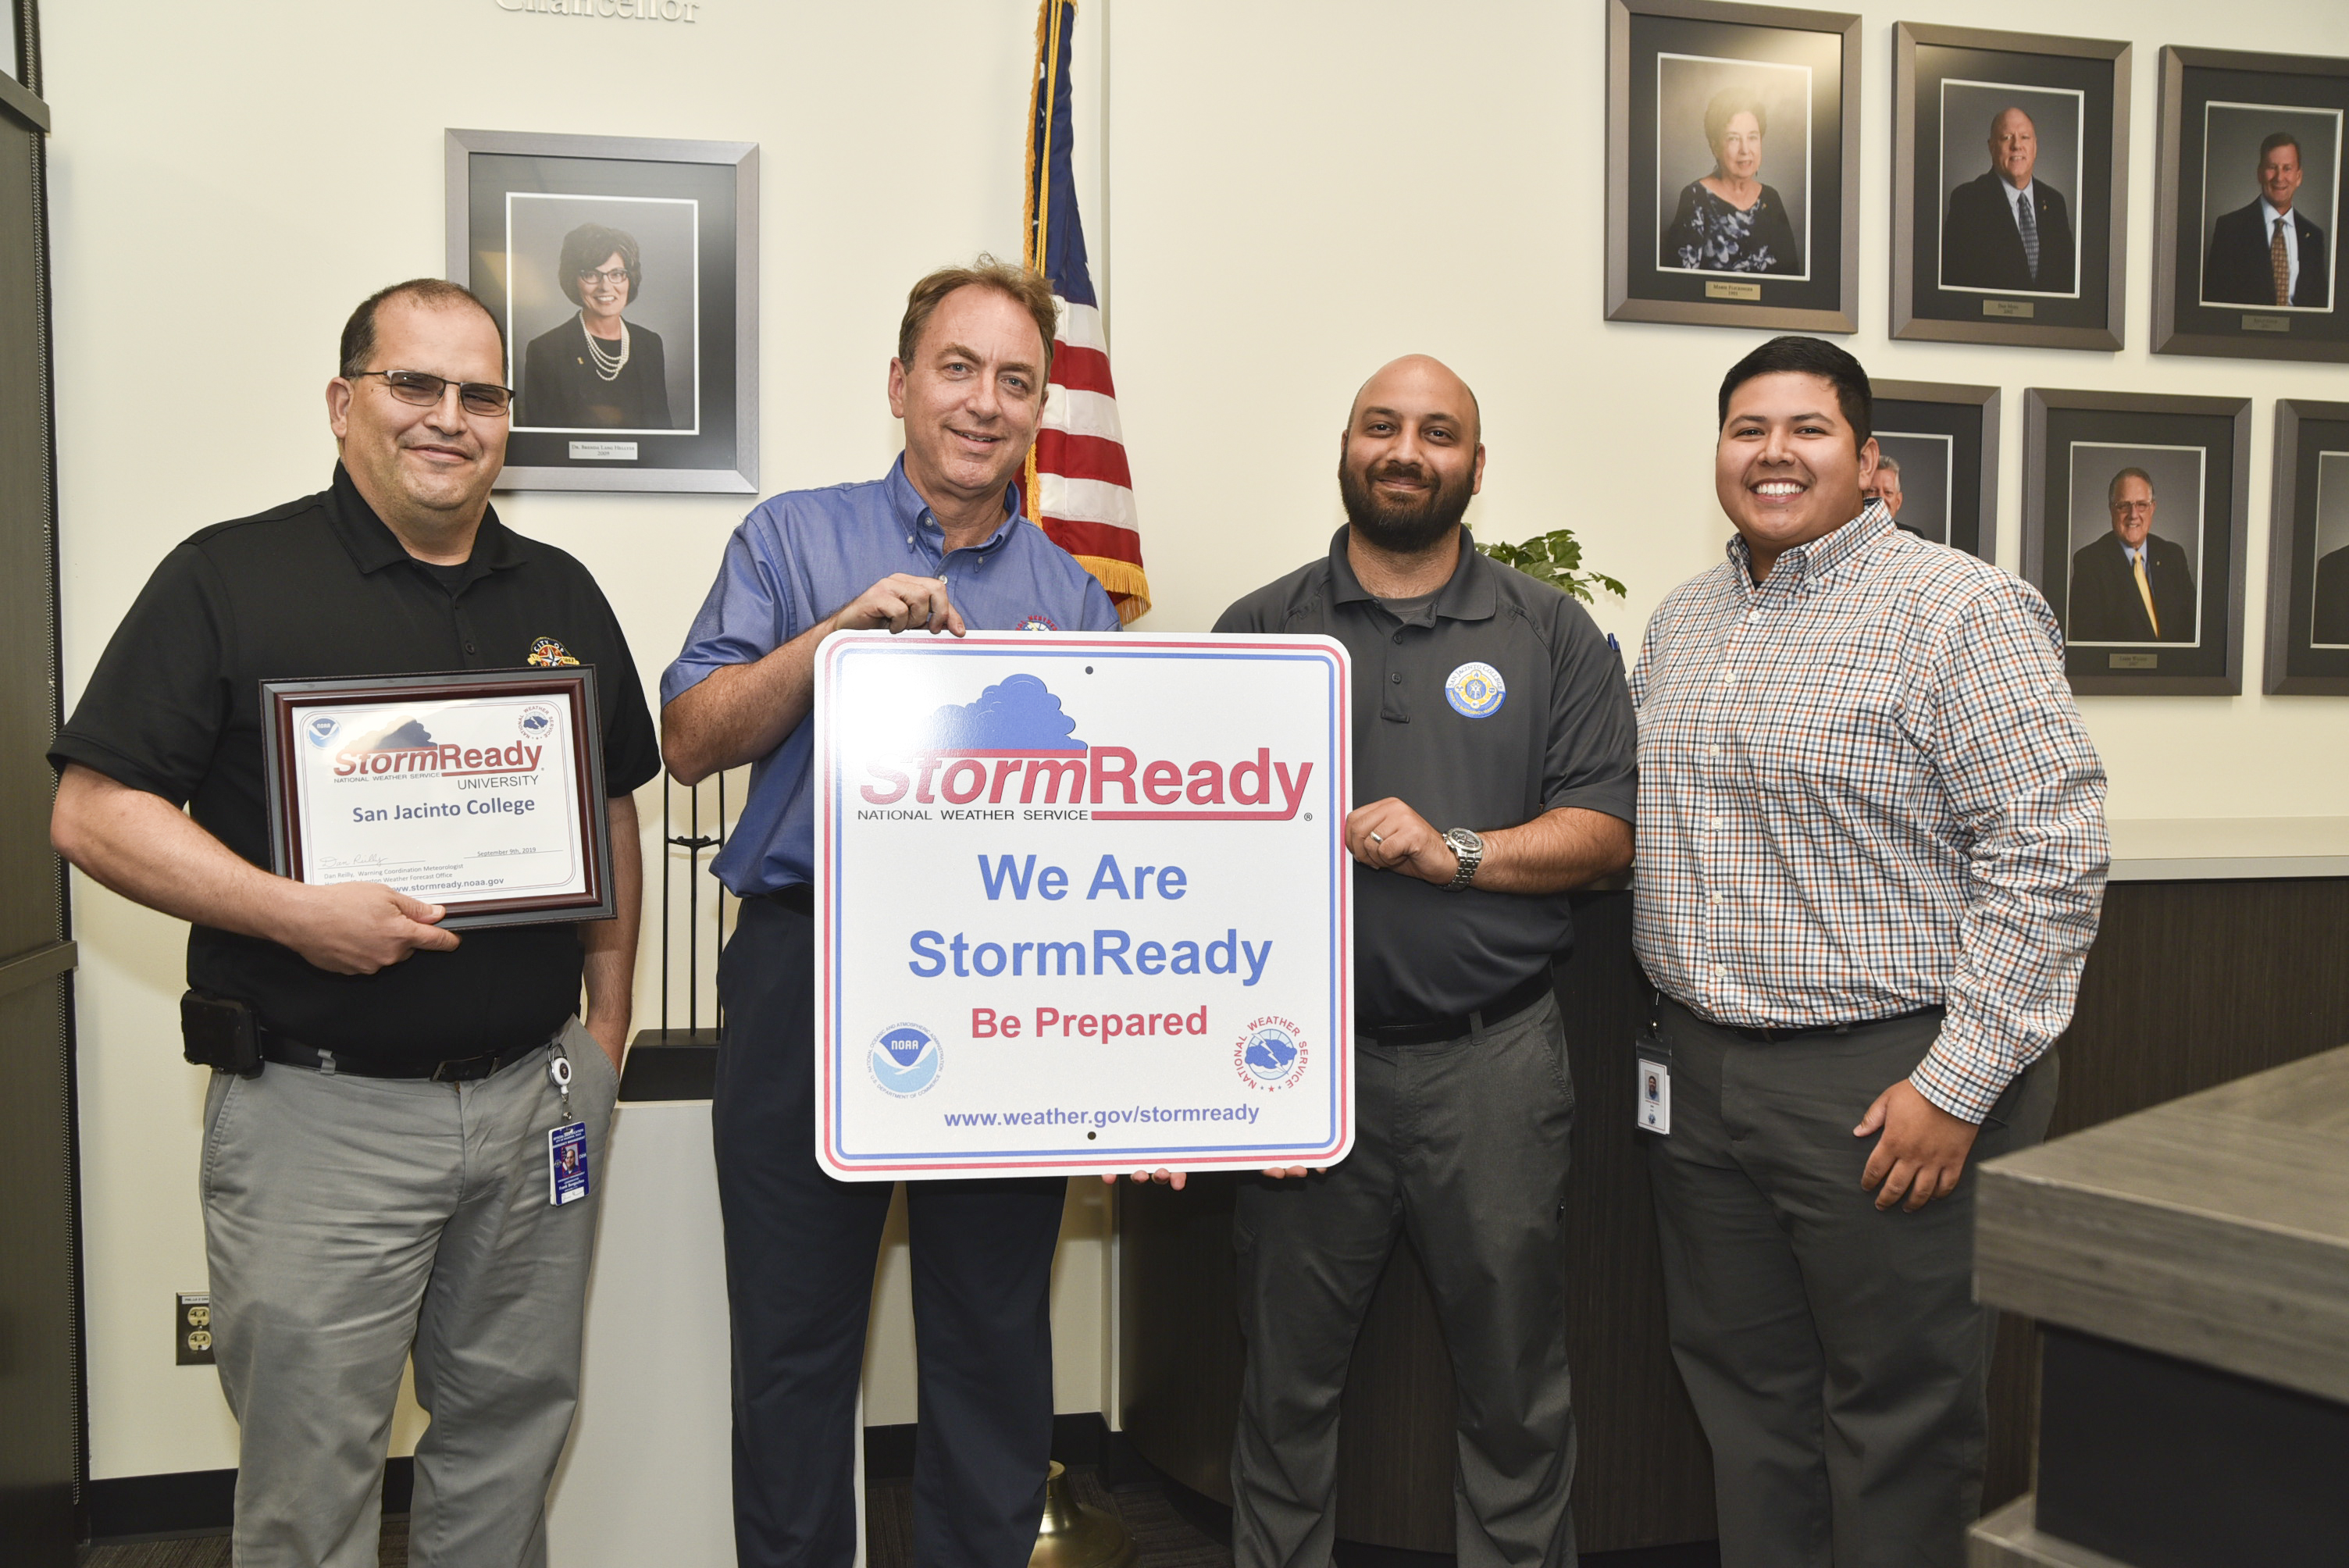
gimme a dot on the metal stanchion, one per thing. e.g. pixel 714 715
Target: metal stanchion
pixel 668 1062
pixel 1077 1536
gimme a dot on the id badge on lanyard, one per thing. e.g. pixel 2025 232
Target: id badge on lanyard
pixel 1654 1059
pixel 566 1143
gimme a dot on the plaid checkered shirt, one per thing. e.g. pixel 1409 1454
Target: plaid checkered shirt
pixel 1864 789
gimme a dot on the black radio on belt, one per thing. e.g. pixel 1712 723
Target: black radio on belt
pixel 221 1032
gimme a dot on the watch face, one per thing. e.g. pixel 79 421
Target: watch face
pixel 1465 839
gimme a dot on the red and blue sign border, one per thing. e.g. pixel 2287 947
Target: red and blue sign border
pixel 831 1038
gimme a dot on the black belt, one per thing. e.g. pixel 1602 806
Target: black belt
pixel 290 1052
pixel 799 897
pixel 1772 1035
pixel 1498 1011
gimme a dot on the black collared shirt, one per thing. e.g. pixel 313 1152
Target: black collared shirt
pixel 1546 722
pixel 320 588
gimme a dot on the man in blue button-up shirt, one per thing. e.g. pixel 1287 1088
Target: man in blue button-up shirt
pixel 936 545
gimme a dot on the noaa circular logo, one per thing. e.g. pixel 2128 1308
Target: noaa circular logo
pixel 904 1060
pixel 321 727
pixel 1272 1054
pixel 1475 690
pixel 536 722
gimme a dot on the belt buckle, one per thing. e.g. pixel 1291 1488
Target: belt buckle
pixel 464 1069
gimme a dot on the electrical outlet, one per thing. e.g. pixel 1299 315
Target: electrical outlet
pixel 191 1329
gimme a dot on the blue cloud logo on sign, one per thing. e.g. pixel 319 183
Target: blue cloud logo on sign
pixel 904 1060
pixel 1018 713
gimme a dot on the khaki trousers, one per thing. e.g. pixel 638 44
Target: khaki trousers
pixel 352 1223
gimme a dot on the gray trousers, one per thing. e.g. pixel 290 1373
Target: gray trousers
pixel 1834 1353
pixel 1461 1146
pixel 353 1223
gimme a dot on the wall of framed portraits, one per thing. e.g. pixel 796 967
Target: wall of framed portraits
pixel 1279 200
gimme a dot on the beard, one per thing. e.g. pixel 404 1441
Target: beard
pixel 1410 528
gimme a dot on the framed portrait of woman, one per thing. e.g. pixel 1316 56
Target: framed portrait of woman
pixel 1732 165
pixel 2133 523
pixel 2248 206
pixel 2010 188
pixel 2308 553
pixel 624 274
pixel 1937 461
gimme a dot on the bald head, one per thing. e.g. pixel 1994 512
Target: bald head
pixel 2014 146
pixel 1410 457
pixel 1420 381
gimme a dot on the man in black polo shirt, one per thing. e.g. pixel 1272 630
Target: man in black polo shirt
pixel 1496 738
pixel 381 1188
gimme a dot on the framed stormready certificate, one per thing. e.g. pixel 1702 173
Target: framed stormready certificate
pixel 1084 905
pixel 481 790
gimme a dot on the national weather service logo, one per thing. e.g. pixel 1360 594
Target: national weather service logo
pixel 535 723
pixel 547 653
pixel 322 727
pixel 1272 1054
pixel 1039 621
pixel 904 1060
pixel 1475 690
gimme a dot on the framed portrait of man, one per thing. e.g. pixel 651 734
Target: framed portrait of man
pixel 2308 553
pixel 2248 215
pixel 2134 518
pixel 2010 188
pixel 1937 467
pixel 1732 165
pixel 623 272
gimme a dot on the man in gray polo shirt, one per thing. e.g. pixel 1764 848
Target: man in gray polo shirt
pixel 1495 737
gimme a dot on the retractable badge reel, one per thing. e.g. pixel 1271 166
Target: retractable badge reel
pixel 1655 1076
pixel 566 1144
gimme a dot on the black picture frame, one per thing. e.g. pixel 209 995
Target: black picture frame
pixel 282 700
pixel 2308 553
pixel 1682 55
pixel 2216 105
pixel 1957 426
pixel 691 208
pixel 2075 446
pixel 1969 284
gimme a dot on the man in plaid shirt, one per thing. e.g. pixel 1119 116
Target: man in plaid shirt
pixel 1871 854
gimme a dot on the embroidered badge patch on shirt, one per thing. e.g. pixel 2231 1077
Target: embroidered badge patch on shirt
pixel 1475 690
pixel 1037 622
pixel 549 653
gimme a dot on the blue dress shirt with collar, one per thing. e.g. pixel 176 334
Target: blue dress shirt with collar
pixel 801 556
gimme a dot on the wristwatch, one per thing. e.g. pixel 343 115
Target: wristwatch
pixel 1470 848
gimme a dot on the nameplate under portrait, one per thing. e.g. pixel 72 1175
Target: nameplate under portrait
pixel 479 790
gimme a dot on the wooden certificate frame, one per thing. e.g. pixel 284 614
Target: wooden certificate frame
pixel 297 711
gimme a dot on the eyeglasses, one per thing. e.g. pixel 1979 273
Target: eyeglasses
pixel 589 277
pixel 426 390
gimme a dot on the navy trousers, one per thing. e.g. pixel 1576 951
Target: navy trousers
pixel 800 1249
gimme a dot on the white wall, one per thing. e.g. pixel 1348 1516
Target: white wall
pixel 1294 194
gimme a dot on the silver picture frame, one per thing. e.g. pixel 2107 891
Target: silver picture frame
pixel 1976 408
pixel 2103 668
pixel 2183 321
pixel 711 446
pixel 1728 301
pixel 2011 322
pixel 2302 660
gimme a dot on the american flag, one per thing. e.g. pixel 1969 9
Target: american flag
pixel 1076 486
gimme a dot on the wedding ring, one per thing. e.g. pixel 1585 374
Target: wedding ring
pixel 1377 839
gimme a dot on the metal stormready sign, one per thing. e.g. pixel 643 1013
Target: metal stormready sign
pixel 1084 904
